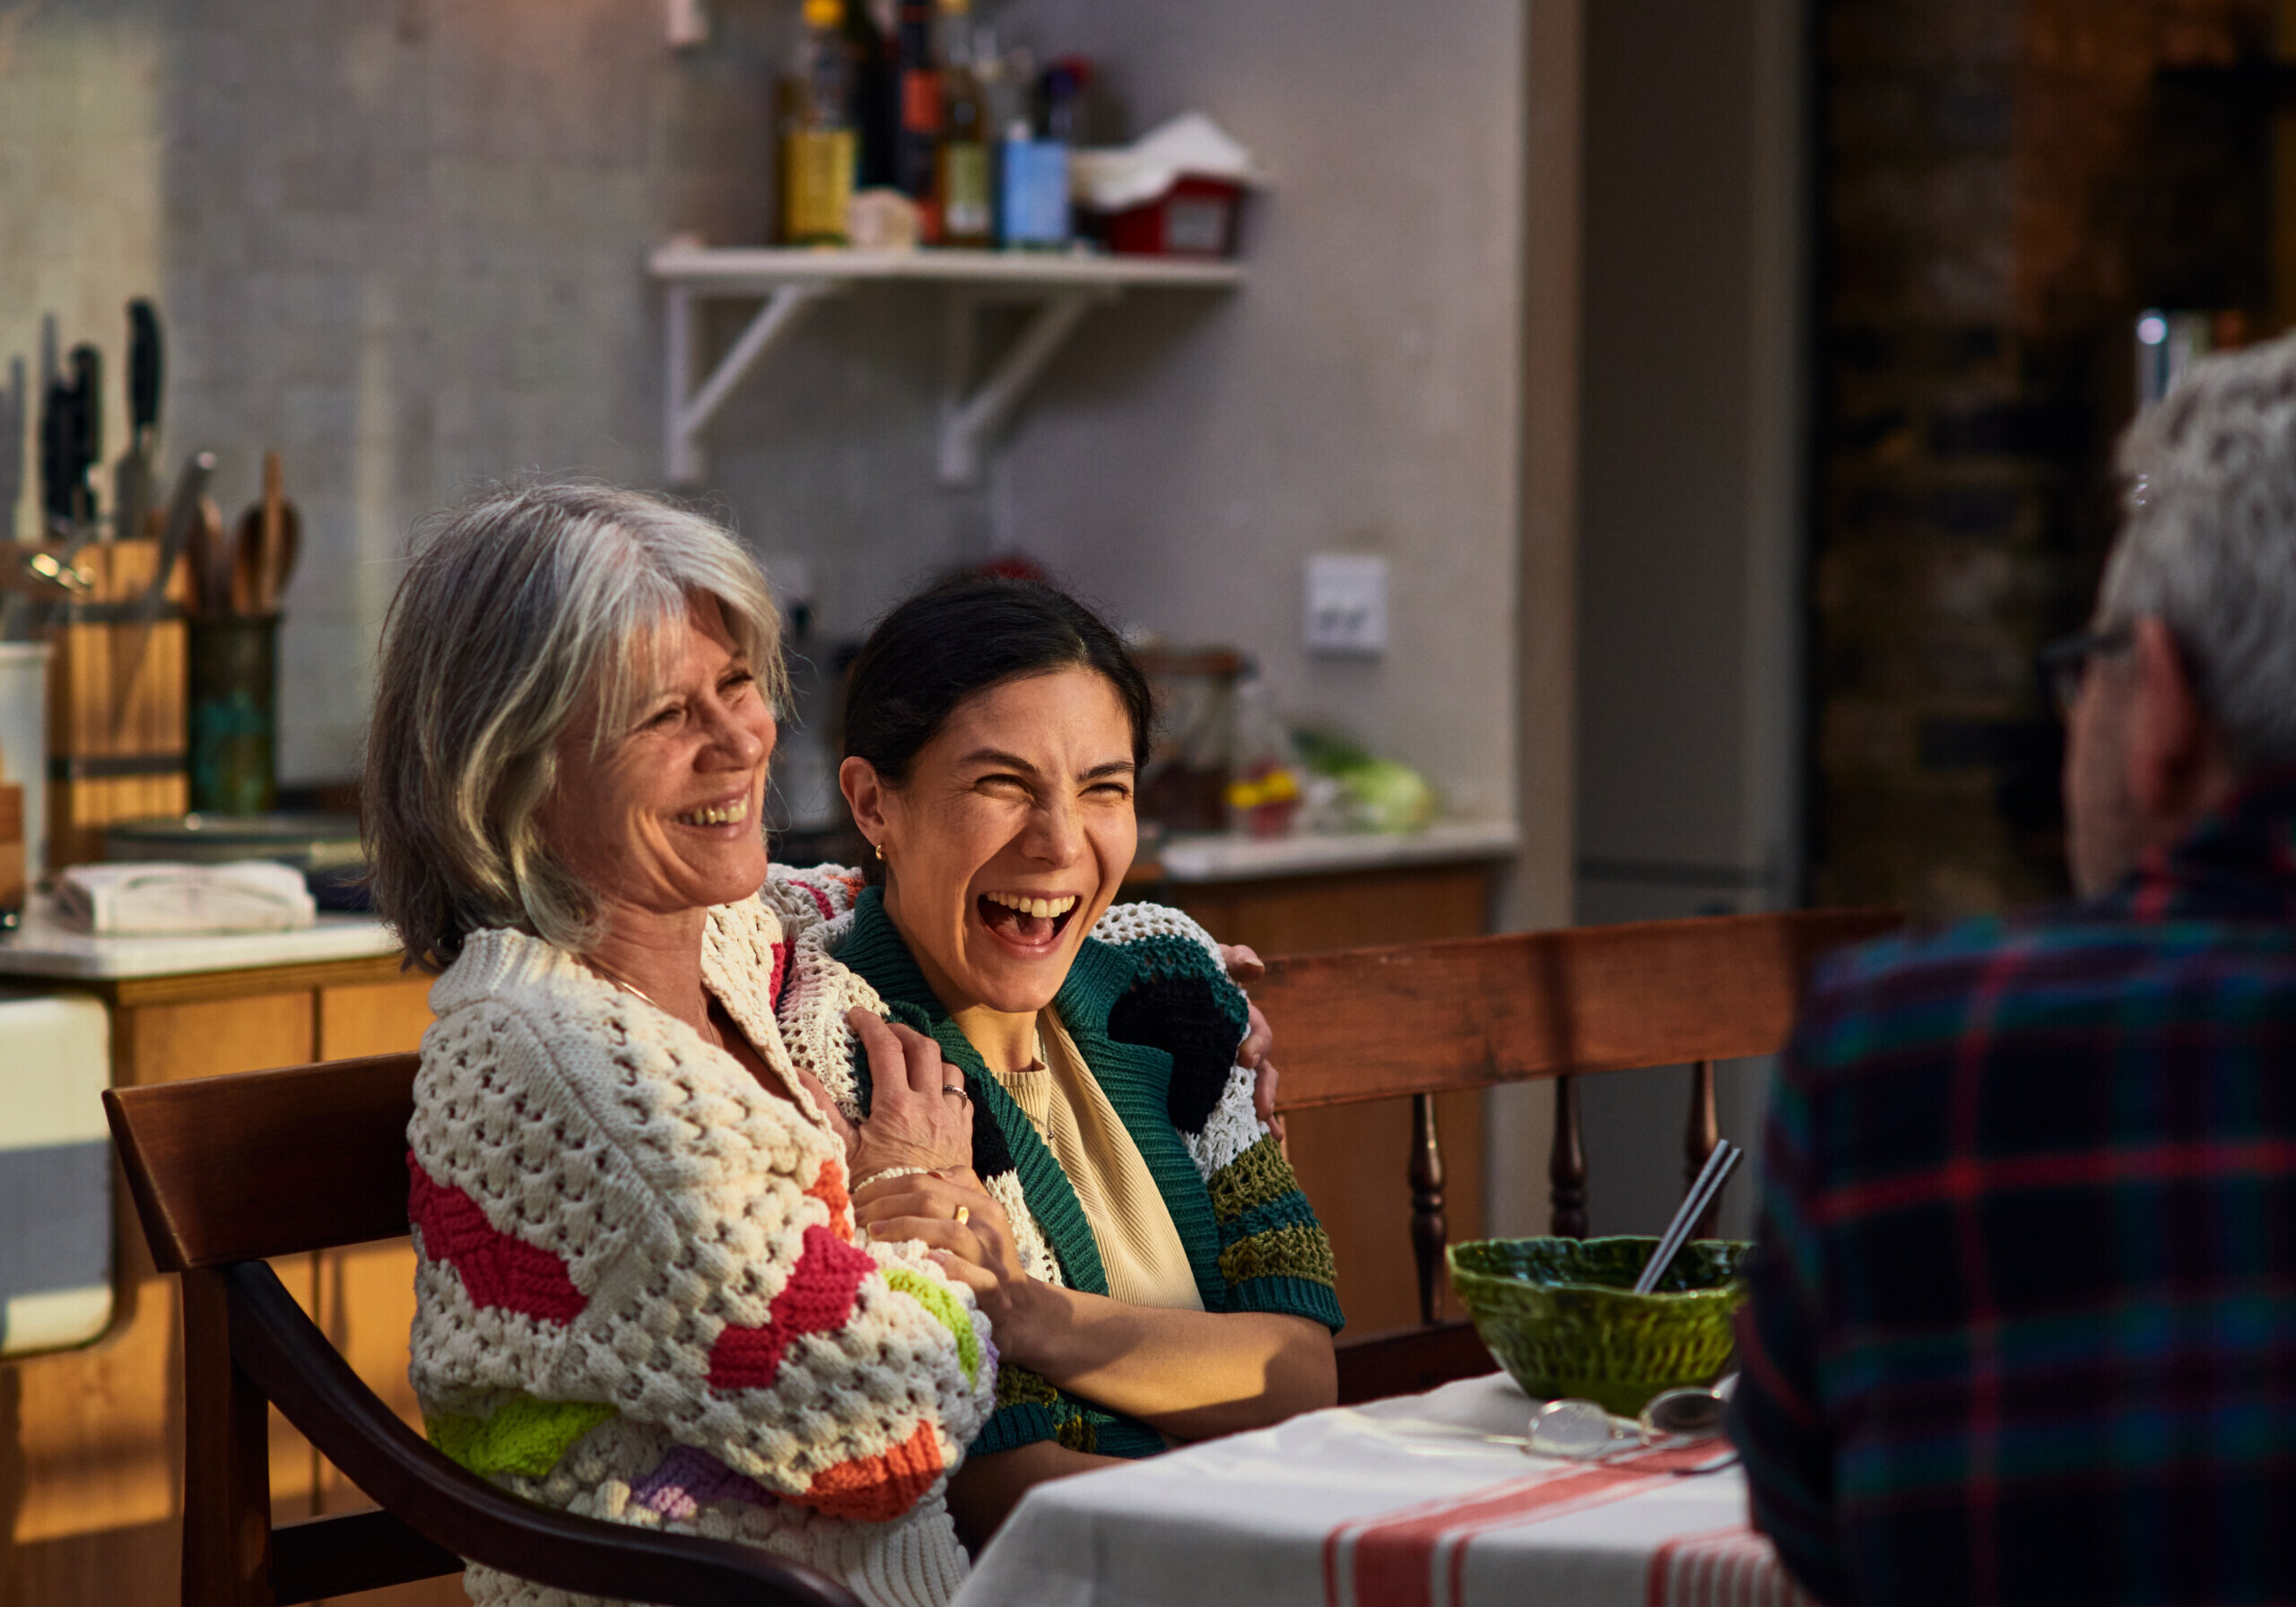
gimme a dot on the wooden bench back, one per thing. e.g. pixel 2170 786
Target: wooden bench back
pixel 1373 1023
pixel 1432 1018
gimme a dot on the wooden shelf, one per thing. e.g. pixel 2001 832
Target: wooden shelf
pixel 1062 285
pixel 754 269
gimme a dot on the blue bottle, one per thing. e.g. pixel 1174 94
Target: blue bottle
pixel 1033 191
pixel 1032 207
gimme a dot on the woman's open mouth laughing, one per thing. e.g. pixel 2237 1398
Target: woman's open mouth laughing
pixel 1031 923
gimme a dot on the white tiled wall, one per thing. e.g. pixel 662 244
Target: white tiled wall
pixel 398 240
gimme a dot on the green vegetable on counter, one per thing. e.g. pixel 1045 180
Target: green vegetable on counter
pixel 1381 794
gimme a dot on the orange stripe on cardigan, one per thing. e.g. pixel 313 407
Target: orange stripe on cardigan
pixel 829 1188
pixel 875 1488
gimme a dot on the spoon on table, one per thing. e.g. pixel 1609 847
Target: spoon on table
pixel 1702 1194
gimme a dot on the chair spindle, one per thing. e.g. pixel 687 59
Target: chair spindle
pixel 1567 1166
pixel 1429 1229
pixel 1699 1138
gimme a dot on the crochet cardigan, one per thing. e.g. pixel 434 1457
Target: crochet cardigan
pixel 641 1295
pixel 1157 1020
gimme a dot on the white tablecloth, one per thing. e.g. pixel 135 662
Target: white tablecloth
pixel 1396 1504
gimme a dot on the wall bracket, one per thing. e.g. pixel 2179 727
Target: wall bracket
pixel 970 419
pixel 1061 288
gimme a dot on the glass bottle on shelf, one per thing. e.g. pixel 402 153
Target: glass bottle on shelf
pixel 918 151
pixel 1033 191
pixel 817 139
pixel 962 170
pixel 874 106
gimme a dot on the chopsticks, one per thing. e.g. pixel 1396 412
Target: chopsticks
pixel 1710 1179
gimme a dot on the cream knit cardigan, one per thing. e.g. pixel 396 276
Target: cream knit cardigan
pixel 640 1292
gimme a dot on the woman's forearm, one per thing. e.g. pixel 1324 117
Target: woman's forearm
pixel 1188 1374
pixel 983 1492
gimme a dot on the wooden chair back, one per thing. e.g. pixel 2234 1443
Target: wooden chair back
pixel 1432 1018
pixel 226 1172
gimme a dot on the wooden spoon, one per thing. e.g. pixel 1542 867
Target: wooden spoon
pixel 270 539
pixel 212 563
pixel 282 532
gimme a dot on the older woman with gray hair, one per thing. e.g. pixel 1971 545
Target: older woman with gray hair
pixel 640 1291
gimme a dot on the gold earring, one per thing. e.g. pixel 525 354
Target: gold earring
pixel 881 849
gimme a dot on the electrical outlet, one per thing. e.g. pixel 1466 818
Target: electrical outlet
pixel 689 23
pixel 1347 604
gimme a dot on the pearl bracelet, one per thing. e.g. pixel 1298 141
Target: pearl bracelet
pixel 892 1171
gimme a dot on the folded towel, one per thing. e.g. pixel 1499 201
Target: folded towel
pixel 160 899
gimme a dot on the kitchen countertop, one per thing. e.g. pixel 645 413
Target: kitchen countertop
pixel 1221 858
pixel 42 948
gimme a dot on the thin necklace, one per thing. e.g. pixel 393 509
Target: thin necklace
pixel 708 1027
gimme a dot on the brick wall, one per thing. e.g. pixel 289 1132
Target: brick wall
pixel 2002 188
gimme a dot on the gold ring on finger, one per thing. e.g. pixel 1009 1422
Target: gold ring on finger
pixel 964 1215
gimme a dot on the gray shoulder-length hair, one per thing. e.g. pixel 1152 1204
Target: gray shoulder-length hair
pixel 516 608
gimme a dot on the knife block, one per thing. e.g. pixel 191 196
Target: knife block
pixel 12 849
pixel 115 703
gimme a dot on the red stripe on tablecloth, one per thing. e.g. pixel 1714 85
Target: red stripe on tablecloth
pixel 1392 1562
pixel 1678 1460
pixel 1719 1567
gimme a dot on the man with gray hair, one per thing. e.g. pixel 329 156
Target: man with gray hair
pixel 2023 1324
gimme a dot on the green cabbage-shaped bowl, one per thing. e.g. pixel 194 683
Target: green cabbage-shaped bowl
pixel 1561 1316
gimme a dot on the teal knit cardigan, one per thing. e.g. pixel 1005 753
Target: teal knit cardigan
pixel 1157 1021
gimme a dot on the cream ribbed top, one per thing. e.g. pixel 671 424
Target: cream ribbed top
pixel 1140 1249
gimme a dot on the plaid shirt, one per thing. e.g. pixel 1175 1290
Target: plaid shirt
pixel 2023 1319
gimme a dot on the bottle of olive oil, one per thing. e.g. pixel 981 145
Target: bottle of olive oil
pixel 818 147
pixel 960 172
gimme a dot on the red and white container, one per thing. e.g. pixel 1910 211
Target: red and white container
pixel 1197 217
pixel 1178 192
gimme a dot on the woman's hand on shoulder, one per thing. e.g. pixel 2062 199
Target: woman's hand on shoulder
pixel 1245 967
pixel 951 1215
pixel 914 1120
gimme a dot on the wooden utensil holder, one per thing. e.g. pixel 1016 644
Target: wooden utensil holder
pixel 115 700
pixel 12 851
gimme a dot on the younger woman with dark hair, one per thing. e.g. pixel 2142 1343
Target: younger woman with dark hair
pixel 1128 1224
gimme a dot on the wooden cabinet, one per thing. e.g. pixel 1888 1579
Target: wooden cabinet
pixel 91 1440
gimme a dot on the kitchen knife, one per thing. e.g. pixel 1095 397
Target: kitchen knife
pixel 184 512
pixel 83 441
pixel 56 431
pixel 12 449
pixel 132 478
pixel 87 365
pixel 13 610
